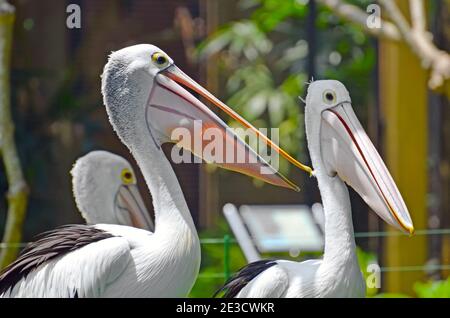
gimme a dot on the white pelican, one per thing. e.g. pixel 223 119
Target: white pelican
pixel 145 101
pixel 105 191
pixel 340 152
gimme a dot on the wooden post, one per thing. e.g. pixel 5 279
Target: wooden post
pixel 403 89
pixel 18 192
pixel 215 13
pixel 444 165
pixel 208 194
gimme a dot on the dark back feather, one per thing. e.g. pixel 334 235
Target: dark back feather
pixel 235 284
pixel 46 247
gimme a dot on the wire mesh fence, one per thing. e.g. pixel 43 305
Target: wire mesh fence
pixel 226 241
pixel 407 268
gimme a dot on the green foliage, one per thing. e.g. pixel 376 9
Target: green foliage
pixel 433 289
pixel 212 272
pixel 364 260
pixel 212 268
pixel 211 276
pixel 391 295
pixel 270 13
pixel 430 289
pixel 264 58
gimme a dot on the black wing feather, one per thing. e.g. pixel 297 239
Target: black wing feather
pixel 235 284
pixel 46 247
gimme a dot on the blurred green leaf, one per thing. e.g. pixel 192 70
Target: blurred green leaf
pixel 433 289
pixel 391 295
pixel 242 39
pixel 264 81
pixel 365 259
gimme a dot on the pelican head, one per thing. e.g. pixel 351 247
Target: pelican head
pixel 105 191
pixel 147 96
pixel 344 150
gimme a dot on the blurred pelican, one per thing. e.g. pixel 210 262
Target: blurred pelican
pixel 105 191
pixel 341 152
pixel 145 98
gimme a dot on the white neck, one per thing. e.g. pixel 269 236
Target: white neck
pixel 340 248
pixel 339 235
pixel 172 216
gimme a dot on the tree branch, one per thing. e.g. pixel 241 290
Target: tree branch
pixel 18 191
pixel 420 43
pixel 417 11
pixel 354 14
pixel 416 37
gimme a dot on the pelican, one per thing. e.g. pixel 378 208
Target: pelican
pixel 341 153
pixel 145 98
pixel 105 191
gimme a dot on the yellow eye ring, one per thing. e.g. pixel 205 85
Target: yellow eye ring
pixel 329 97
pixel 127 176
pixel 160 59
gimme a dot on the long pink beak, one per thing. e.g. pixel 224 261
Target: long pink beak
pixel 348 151
pixel 171 105
pixel 131 208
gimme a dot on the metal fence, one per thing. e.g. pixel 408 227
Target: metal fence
pixel 227 241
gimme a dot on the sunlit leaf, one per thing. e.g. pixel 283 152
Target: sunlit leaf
pixel 276 108
pixel 256 105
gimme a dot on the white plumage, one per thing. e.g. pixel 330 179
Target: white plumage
pixel 144 100
pixel 105 191
pixel 340 152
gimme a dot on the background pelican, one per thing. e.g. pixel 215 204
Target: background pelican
pixel 105 191
pixel 340 152
pixel 145 102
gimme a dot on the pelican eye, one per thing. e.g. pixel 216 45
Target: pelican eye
pixel 127 176
pixel 329 97
pixel 160 59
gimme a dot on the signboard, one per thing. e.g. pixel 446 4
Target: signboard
pixel 282 228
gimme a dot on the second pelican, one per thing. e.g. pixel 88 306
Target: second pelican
pixel 341 153
pixel 105 191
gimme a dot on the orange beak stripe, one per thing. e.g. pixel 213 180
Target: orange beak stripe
pixel 241 120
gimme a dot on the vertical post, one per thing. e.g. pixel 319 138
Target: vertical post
pixel 208 184
pixel 311 38
pixel 226 256
pixel 18 191
pixel 215 13
pixel 445 166
pixel 403 88
pixel 310 193
pixel 438 103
